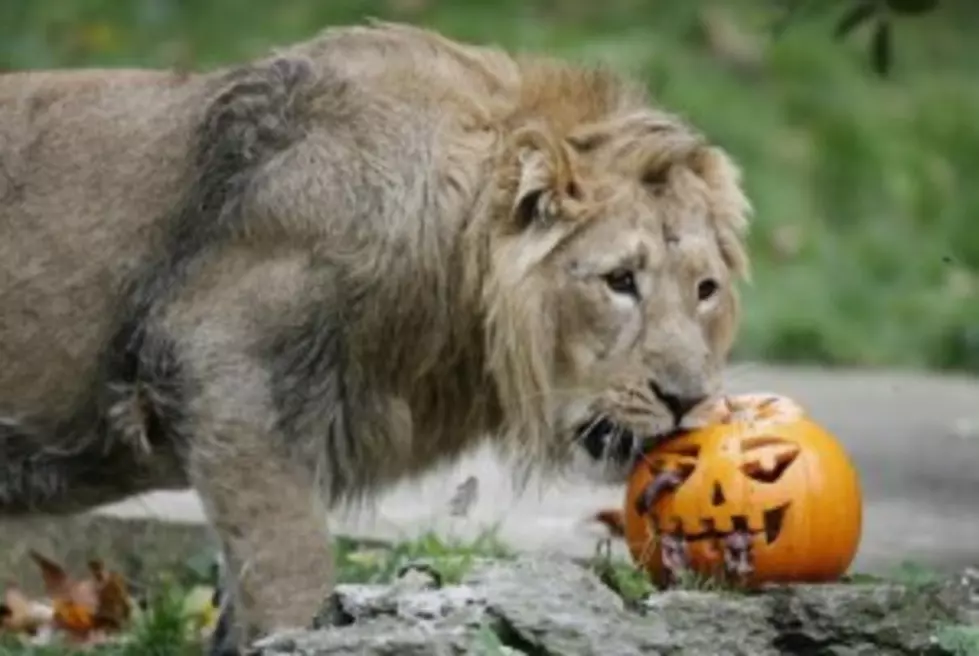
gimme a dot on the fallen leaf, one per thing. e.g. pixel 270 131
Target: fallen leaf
pixel 75 602
pixel 86 610
pixel 613 520
pixel 73 617
pixel 54 576
pixel 465 495
pixel 19 614
pixel 114 606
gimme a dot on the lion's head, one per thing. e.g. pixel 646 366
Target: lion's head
pixel 611 299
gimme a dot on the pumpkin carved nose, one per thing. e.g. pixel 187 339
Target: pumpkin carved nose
pixel 717 496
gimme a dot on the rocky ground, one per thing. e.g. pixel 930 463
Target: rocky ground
pixel 549 605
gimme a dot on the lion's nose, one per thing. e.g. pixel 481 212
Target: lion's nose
pixel 678 405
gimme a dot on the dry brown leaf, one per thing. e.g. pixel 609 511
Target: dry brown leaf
pixel 73 618
pixel 114 606
pixel 465 496
pixel 89 608
pixel 54 576
pixel 612 519
pixel 74 602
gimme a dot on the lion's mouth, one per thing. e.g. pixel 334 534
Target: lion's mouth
pixel 603 439
pixel 772 521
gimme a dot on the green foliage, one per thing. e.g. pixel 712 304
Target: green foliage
pixel 633 584
pixel 960 639
pixel 163 629
pixel 866 237
pixel 913 574
pixel 622 576
pixel 450 558
pixel 856 13
pixel 488 643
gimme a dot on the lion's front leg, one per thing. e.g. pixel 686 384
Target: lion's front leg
pixel 266 510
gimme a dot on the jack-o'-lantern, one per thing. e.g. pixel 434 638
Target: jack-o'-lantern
pixel 761 494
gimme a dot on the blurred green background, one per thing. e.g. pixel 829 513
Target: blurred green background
pixel 866 239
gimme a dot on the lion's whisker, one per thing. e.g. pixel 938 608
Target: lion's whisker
pixel 737 371
pixel 582 434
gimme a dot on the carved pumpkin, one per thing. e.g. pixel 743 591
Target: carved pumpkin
pixel 762 494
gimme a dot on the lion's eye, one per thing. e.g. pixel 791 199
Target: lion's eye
pixel 622 281
pixel 707 288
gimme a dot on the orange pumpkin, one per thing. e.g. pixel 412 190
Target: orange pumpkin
pixel 762 494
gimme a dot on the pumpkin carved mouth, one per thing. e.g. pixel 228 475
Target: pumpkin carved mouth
pixel 773 522
pixel 772 527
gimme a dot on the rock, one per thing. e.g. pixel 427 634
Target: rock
pixel 549 605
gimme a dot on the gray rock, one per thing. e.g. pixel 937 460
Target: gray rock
pixel 540 605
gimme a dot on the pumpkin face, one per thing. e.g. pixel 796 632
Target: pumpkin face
pixel 762 493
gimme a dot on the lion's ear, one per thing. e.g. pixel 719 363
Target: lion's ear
pixel 547 179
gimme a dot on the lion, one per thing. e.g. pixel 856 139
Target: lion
pixel 290 283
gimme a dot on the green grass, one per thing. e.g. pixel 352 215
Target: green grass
pixel 451 558
pixel 866 239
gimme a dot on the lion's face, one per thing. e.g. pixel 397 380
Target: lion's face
pixel 645 311
pixel 627 283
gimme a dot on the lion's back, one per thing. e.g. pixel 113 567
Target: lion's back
pixel 89 160
pixel 92 163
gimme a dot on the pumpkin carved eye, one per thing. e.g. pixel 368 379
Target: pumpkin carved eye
pixel 680 460
pixel 682 450
pixel 767 458
pixel 669 471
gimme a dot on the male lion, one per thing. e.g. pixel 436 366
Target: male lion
pixel 292 282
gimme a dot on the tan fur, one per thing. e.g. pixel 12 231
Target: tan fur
pixel 293 282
